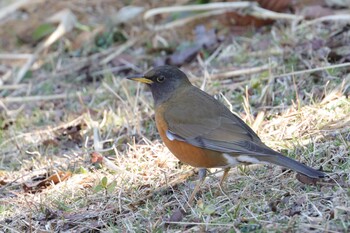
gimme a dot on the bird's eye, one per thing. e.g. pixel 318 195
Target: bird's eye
pixel 160 79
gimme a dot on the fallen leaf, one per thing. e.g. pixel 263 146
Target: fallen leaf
pixel 177 216
pixel 237 19
pixel 3 182
pixel 306 180
pixel 291 212
pixel 96 157
pixel 274 5
pixel 183 56
pixel 38 186
pixel 87 182
pixel 273 205
pixel 51 142
pixel 204 39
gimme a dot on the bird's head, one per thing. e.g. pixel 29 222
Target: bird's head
pixel 164 81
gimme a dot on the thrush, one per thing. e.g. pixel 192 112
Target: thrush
pixel 200 131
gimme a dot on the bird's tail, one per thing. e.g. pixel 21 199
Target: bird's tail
pixel 289 163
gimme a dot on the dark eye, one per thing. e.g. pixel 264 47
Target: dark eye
pixel 160 79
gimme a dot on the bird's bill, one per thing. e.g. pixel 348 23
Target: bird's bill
pixel 140 78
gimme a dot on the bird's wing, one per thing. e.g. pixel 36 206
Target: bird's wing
pixel 213 127
pixel 208 124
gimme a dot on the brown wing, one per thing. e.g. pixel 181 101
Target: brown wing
pixel 208 124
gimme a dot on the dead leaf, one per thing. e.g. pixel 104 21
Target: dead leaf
pixel 204 39
pixel 38 186
pixel 273 205
pixel 96 157
pixel 306 180
pixel 184 56
pixel 87 182
pixel 177 216
pixel 50 142
pixel 3 182
pixel 292 211
pixel 236 19
pixel 275 5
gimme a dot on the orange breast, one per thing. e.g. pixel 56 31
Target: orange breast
pixel 187 153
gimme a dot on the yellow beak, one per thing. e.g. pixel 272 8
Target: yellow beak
pixel 140 78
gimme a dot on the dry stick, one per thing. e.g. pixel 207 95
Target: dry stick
pixel 12 87
pixel 313 70
pixel 210 6
pixel 258 69
pixel 17 56
pixel 345 17
pixel 202 224
pixel 180 22
pixel 36 98
pixel 246 71
pixel 214 9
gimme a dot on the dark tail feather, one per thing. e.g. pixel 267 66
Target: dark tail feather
pixel 289 163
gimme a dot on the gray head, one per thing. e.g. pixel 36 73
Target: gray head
pixel 164 81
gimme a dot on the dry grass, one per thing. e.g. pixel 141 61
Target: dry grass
pixel 305 115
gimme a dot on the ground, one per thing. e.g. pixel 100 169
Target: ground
pixel 79 147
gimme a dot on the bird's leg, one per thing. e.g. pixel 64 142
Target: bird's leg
pixel 224 176
pixel 202 173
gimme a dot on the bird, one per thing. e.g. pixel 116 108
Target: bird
pixel 202 132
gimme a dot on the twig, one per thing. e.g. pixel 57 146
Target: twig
pixel 12 87
pixel 210 6
pixel 214 9
pixel 201 224
pixel 345 17
pixel 36 98
pixel 313 70
pixel 181 22
pixel 9 56
pixel 246 71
